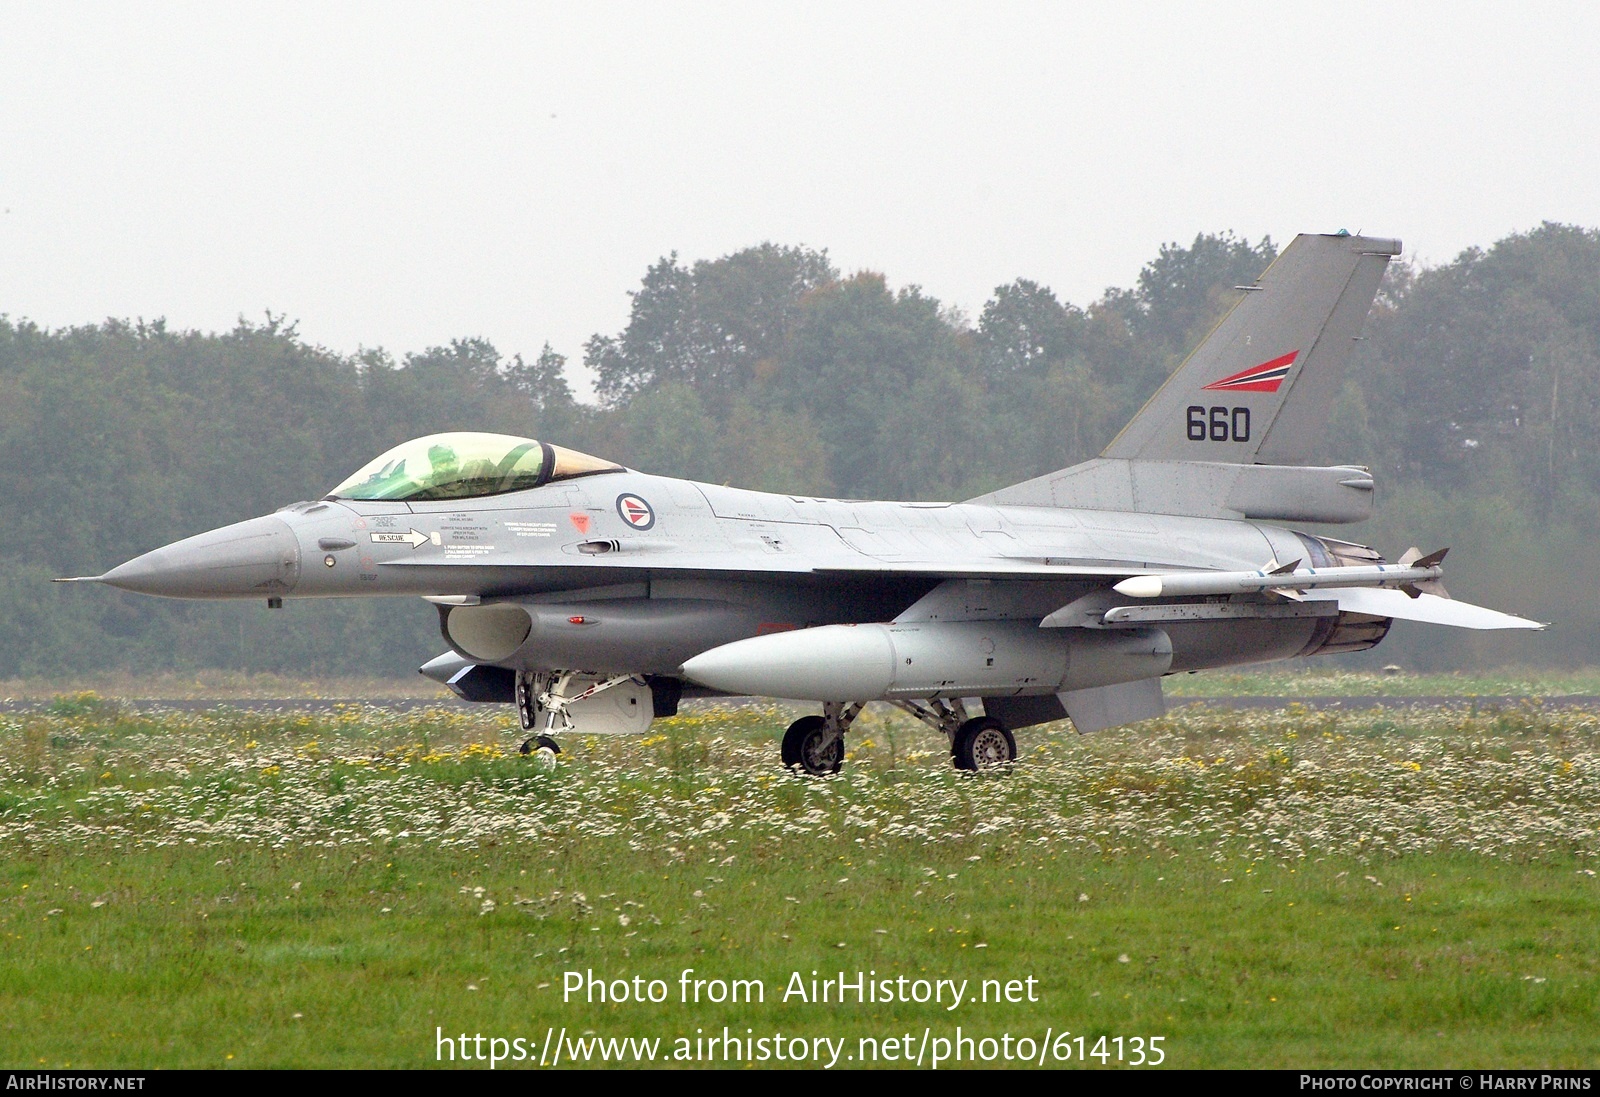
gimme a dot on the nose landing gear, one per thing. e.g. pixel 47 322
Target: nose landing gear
pixel 539 695
pixel 560 701
pixel 539 742
pixel 543 748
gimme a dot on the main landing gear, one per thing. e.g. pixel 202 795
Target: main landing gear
pixel 976 742
pixel 983 743
pixel 814 745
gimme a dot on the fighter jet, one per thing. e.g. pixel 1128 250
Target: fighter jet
pixel 594 597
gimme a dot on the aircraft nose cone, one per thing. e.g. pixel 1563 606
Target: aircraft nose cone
pixel 254 559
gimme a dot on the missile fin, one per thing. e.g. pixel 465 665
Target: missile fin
pixel 1413 558
pixel 1424 586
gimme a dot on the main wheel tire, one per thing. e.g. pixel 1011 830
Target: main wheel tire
pixel 983 743
pixel 803 748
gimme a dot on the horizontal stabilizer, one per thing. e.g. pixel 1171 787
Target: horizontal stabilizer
pixel 1428 608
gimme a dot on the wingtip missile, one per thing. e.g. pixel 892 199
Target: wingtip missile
pixel 1283 579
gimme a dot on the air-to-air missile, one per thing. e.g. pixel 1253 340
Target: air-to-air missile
pixel 1412 577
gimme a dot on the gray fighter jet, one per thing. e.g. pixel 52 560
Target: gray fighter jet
pixel 594 597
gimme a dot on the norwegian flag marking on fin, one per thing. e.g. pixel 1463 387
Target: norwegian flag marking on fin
pixel 1263 378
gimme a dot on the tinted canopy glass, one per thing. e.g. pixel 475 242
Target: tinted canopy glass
pixel 464 464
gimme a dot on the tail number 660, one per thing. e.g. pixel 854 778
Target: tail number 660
pixel 1218 424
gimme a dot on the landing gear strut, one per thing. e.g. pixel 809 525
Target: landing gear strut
pixel 815 744
pixel 976 743
pixel 548 697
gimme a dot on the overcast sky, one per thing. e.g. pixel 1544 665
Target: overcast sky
pixel 400 174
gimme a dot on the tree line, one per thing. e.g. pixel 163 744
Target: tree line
pixel 1473 396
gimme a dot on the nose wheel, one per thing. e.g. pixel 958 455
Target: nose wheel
pixel 539 742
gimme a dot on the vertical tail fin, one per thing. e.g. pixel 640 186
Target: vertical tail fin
pixel 1260 387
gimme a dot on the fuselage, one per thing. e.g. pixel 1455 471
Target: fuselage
pixel 628 572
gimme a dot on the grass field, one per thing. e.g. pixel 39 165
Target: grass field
pixel 1330 682
pixel 221 685
pixel 1257 889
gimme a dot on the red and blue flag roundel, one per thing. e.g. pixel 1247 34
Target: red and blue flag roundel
pixel 635 511
pixel 1263 378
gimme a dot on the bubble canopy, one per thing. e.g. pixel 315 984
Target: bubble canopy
pixel 464 465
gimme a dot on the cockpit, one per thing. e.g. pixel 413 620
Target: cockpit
pixel 465 465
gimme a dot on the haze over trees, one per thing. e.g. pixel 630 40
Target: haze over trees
pixel 1473 397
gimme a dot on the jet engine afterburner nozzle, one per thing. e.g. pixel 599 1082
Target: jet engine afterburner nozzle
pixel 259 558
